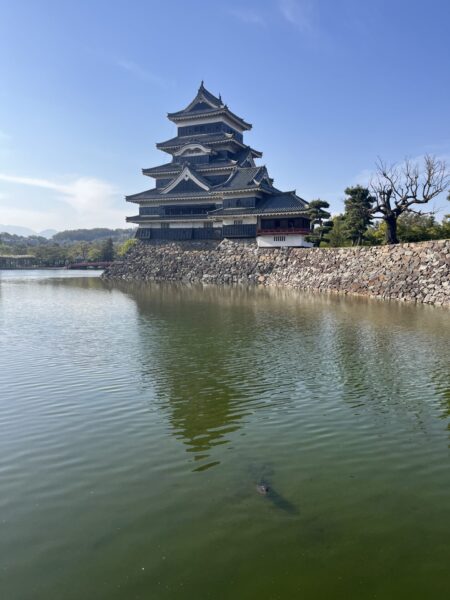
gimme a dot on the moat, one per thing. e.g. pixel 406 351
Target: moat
pixel 136 423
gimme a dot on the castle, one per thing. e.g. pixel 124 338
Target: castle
pixel 212 188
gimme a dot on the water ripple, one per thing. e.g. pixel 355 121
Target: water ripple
pixel 136 422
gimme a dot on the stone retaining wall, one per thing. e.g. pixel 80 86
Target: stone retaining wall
pixel 415 272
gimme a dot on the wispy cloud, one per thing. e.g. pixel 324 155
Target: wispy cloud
pixel 44 183
pixel 299 13
pixel 91 201
pixel 363 177
pixel 248 16
pixel 143 74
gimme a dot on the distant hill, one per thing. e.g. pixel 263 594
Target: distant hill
pixel 17 230
pixel 26 231
pixel 48 233
pixel 18 244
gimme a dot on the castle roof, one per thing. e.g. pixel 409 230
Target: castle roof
pixel 205 104
pixel 205 139
pixel 245 179
pixel 275 204
pixel 243 157
pixel 173 168
pixel 156 195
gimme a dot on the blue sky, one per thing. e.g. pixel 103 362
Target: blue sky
pixel 329 85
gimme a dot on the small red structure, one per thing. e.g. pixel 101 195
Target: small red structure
pixel 89 265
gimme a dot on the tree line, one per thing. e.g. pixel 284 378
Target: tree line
pixel 51 253
pixel 70 236
pixel 387 210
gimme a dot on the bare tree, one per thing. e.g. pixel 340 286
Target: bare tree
pixel 397 188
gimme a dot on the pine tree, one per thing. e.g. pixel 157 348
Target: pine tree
pixel 358 215
pixel 320 225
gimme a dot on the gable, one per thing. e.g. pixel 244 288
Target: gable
pixel 187 181
pixel 186 185
pixel 248 161
pixel 200 106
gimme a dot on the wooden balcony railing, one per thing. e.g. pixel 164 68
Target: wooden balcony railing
pixel 284 231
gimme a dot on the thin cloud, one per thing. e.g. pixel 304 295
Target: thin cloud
pixel 43 183
pixel 31 219
pixel 140 73
pixel 363 177
pixel 299 13
pixel 248 16
pixel 88 201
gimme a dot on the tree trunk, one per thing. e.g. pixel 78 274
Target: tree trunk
pixel 391 229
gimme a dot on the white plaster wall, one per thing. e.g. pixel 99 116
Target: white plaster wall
pixel 178 225
pixel 245 221
pixel 150 226
pixel 187 224
pixel 267 241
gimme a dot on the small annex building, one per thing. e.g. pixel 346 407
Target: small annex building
pixel 212 187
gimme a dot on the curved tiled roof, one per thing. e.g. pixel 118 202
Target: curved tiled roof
pixel 245 179
pixel 155 194
pixel 176 168
pixel 201 138
pixel 206 104
pixel 282 203
pixel 242 178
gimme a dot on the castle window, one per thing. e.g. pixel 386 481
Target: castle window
pixel 165 225
pixel 238 221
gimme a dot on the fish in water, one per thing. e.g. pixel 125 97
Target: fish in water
pixel 262 489
pixel 277 499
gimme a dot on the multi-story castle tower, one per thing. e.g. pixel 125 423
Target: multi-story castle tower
pixel 212 188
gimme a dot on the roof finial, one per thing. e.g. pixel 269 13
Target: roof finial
pixel 220 97
pixel 201 84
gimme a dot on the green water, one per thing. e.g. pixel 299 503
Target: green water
pixel 135 424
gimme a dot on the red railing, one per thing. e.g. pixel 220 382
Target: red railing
pixel 287 231
pixel 102 264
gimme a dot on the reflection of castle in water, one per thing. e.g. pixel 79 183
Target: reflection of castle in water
pixel 216 356
pixel 179 350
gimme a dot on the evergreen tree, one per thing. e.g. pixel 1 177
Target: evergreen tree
pixel 412 227
pixel 358 213
pixel 107 250
pixel 320 225
pixel 338 234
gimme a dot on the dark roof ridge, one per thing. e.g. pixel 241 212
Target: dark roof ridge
pixel 215 105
